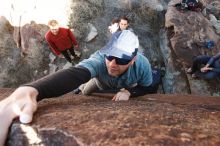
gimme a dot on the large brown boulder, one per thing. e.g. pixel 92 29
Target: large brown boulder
pixel 187 31
pixel 74 120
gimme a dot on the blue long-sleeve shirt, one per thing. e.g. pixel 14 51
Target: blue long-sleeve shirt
pixel 138 74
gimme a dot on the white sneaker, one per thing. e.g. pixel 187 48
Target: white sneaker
pixel 78 54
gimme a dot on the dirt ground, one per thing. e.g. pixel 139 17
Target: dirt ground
pixel 151 120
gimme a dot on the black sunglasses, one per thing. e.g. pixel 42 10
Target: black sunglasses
pixel 118 61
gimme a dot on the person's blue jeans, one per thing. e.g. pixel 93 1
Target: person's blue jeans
pixel 198 63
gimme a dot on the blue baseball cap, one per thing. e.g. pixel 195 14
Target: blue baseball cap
pixel 123 44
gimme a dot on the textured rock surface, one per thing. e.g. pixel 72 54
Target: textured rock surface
pixel 187 31
pixel 96 120
pixel 171 44
pixel 213 7
pixel 14 68
pixel 147 16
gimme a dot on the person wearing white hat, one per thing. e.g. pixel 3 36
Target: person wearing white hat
pixel 122 46
pixel 118 65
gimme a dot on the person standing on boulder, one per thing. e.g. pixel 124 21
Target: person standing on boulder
pixel 118 64
pixel 123 23
pixel 61 41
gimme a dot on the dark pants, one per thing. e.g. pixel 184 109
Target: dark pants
pixel 198 63
pixel 66 53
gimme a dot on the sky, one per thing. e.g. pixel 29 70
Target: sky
pixel 40 11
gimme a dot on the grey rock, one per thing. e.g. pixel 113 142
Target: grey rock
pixel 92 33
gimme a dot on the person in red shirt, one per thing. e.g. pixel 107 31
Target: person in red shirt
pixel 61 41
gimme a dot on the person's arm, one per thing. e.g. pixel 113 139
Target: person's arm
pixel 53 48
pixel 143 84
pixel 209 63
pixel 60 82
pixel 212 59
pixel 125 94
pixel 72 38
pixel 52 45
pixel 216 70
pixel 22 102
pixel 142 90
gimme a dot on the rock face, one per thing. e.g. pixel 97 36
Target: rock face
pixel 213 7
pixel 16 69
pixel 169 41
pixel 146 19
pixel 96 120
pixel 29 38
pixel 169 38
pixel 6 31
pixel 187 32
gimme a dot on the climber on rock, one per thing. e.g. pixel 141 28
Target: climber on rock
pixel 118 65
